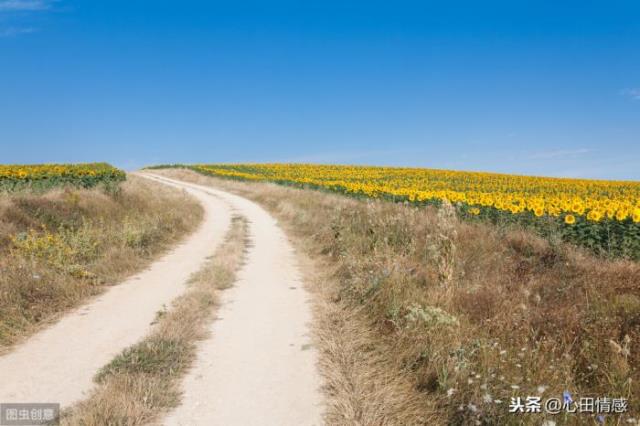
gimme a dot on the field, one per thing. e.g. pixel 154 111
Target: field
pixel 603 216
pixel 47 176
pixel 433 303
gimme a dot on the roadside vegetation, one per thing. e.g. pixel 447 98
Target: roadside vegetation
pixel 142 384
pixel 427 319
pixel 59 247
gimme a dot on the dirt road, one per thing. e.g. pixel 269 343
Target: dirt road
pixel 258 367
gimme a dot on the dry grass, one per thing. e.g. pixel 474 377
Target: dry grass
pixel 428 320
pixel 60 247
pixel 361 386
pixel 142 383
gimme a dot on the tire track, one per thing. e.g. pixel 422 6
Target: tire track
pixel 259 366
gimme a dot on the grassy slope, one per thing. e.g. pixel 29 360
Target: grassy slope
pixel 451 319
pixel 60 247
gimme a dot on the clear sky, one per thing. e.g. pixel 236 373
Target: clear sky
pixel 532 87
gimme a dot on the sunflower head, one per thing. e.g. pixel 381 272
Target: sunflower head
pixel 595 215
pixel 569 219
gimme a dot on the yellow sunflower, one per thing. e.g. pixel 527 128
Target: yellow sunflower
pixel 595 215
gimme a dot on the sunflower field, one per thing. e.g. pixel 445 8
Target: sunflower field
pixel 603 216
pixel 46 176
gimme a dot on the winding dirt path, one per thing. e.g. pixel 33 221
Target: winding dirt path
pixel 58 364
pixel 258 367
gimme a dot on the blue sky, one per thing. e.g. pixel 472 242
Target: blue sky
pixel 531 87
